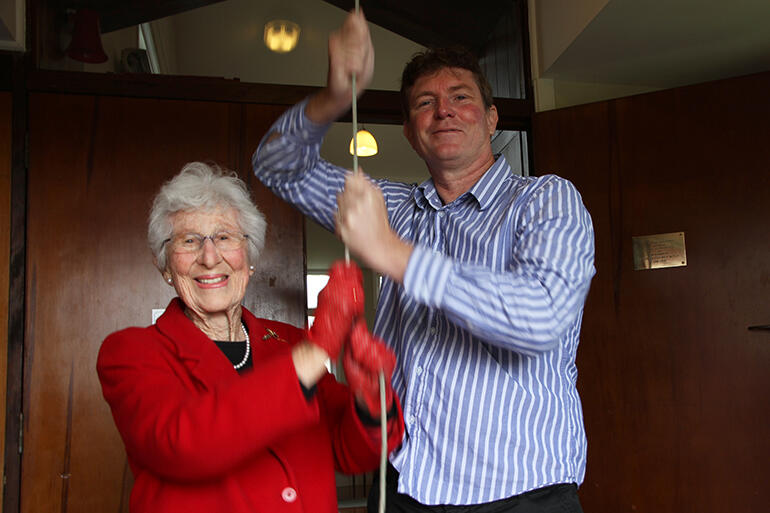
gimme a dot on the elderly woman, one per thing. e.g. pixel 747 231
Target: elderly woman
pixel 220 410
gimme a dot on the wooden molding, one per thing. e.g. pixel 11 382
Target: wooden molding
pixel 375 106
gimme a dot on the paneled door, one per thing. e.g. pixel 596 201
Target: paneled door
pixel 5 239
pixel 95 163
pixel 675 387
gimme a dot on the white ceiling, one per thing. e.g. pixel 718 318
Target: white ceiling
pixel 665 44
pixel 225 40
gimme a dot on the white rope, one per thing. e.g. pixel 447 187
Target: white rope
pixel 384 447
pixel 383 411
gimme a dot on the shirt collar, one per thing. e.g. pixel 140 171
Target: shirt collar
pixel 484 190
pixel 425 195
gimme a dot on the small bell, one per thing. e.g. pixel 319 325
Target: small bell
pixel 86 44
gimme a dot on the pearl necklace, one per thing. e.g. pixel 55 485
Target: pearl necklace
pixel 248 349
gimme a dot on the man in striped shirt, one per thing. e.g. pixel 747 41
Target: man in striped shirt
pixel 485 275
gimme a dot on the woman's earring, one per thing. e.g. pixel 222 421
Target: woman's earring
pixel 169 280
pixel 251 268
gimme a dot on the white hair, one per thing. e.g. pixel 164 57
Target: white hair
pixel 207 187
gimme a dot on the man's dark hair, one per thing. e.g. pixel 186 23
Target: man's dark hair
pixel 435 59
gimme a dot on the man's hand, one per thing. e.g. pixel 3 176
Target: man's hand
pixel 365 357
pixel 363 226
pixel 350 51
pixel 339 304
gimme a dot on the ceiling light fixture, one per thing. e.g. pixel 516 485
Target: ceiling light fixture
pixel 366 143
pixel 281 36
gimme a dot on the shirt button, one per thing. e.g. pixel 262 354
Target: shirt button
pixel 433 331
pixel 418 370
pixel 411 419
pixel 289 494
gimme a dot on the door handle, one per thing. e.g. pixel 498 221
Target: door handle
pixel 765 327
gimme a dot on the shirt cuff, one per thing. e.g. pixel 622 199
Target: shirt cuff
pixel 294 128
pixel 308 132
pixel 426 277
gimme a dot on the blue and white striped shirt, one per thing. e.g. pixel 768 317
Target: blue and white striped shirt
pixel 486 324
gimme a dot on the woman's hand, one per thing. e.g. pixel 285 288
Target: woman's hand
pixel 365 357
pixel 309 363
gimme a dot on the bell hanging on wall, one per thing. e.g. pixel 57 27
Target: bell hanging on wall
pixel 86 44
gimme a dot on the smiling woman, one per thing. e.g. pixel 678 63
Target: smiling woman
pixel 210 273
pixel 248 417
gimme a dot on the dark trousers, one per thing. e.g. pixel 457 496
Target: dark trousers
pixel 558 498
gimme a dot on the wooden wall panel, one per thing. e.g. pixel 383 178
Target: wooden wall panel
pixel 5 239
pixel 575 143
pixel 277 290
pixel 95 164
pixel 674 386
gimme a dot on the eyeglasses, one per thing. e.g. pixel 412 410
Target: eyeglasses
pixel 193 242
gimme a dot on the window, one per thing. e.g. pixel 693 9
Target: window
pixel 147 43
pixel 315 282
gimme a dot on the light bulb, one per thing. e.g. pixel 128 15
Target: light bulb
pixel 366 144
pixel 281 36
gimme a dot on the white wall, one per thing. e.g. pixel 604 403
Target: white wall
pixel 557 23
pixel 226 40
pixel 591 50
pixel 12 25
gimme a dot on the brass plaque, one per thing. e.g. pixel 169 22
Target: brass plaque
pixel 659 251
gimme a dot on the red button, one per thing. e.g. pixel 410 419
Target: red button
pixel 289 494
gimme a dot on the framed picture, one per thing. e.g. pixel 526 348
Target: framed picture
pixel 134 60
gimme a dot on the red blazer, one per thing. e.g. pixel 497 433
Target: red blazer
pixel 202 438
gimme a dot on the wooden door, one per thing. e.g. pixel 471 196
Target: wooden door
pixel 5 239
pixel 675 388
pixel 95 164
